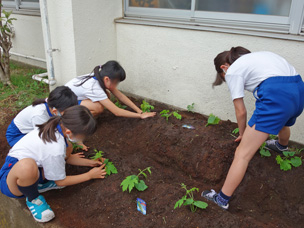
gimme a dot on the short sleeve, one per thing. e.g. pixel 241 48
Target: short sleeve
pixel 54 167
pixel 236 86
pixel 39 119
pixel 95 92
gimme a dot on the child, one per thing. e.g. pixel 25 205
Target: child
pixel 279 93
pixel 91 90
pixel 39 112
pixel 41 153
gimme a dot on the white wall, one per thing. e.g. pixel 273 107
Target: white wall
pixel 175 66
pixel 28 39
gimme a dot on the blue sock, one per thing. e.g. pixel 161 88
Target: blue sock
pixel 31 192
pixel 222 198
pixel 281 147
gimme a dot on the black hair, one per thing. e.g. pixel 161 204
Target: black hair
pixel 78 119
pixel 61 98
pixel 111 69
pixel 227 57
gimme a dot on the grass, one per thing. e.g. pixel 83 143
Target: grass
pixel 26 89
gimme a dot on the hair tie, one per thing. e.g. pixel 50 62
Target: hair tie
pixel 100 66
pixel 46 100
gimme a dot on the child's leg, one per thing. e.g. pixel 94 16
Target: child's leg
pixel 284 136
pixel 95 107
pixel 251 141
pixel 23 179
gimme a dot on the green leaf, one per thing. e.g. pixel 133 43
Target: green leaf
pixel 141 186
pixel 200 204
pixel 265 153
pixel 236 131
pixel 289 153
pixel 129 183
pixel 296 161
pixel 279 159
pixel 285 165
pixel 177 116
pixel 180 202
pixel 110 168
pixel 272 136
pixel 188 201
pixel 213 120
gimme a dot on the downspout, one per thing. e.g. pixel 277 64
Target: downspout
pixel 48 46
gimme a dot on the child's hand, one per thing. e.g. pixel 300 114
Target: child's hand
pixel 84 147
pixel 238 139
pixel 147 115
pixel 96 163
pixel 78 155
pixel 98 172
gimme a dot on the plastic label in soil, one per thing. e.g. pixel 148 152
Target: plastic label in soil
pixel 188 126
pixel 141 206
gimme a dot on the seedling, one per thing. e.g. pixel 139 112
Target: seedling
pixel 133 181
pixel 166 113
pixel 264 152
pixel 119 105
pixel 213 120
pixel 110 167
pixel 146 107
pixel 76 146
pixel 289 159
pixel 188 199
pixel 190 108
pixel 236 131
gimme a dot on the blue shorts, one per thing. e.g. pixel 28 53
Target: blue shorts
pixel 79 102
pixel 13 134
pixel 279 101
pixel 6 168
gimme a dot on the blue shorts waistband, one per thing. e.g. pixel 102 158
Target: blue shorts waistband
pixel 282 79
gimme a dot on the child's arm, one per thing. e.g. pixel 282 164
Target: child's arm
pixel 124 99
pixel 95 173
pixel 79 160
pixel 241 116
pixel 107 103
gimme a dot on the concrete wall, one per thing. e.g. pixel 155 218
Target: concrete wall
pixel 175 66
pixel 84 32
pixel 28 39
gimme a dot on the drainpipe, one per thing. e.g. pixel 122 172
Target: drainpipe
pixel 48 46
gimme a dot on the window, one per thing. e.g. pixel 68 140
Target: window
pixel 271 16
pixel 21 4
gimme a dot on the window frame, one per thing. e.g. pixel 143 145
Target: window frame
pixel 292 24
pixel 21 6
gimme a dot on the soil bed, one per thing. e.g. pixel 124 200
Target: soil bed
pixel 267 197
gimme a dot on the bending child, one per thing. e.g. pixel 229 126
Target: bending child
pixel 279 93
pixel 36 163
pixel 91 90
pixel 39 112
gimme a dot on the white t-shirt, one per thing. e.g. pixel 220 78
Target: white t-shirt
pixel 89 90
pixel 28 118
pixel 248 71
pixel 50 155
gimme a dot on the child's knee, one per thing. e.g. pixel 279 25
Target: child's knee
pixel 242 154
pixel 27 168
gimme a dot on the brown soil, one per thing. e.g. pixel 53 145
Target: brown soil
pixel 267 197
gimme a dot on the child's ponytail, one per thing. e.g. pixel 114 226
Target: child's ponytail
pixel 47 130
pixel 227 57
pixel 61 98
pixel 78 119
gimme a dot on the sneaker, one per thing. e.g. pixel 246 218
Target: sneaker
pixel 50 185
pixel 272 145
pixel 212 196
pixel 40 210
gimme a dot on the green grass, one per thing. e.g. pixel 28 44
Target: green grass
pixel 26 89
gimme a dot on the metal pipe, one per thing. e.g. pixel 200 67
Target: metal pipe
pixel 40 77
pixel 28 57
pixel 48 44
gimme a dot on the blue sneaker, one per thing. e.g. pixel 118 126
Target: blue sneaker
pixel 40 210
pixel 50 185
pixel 212 196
